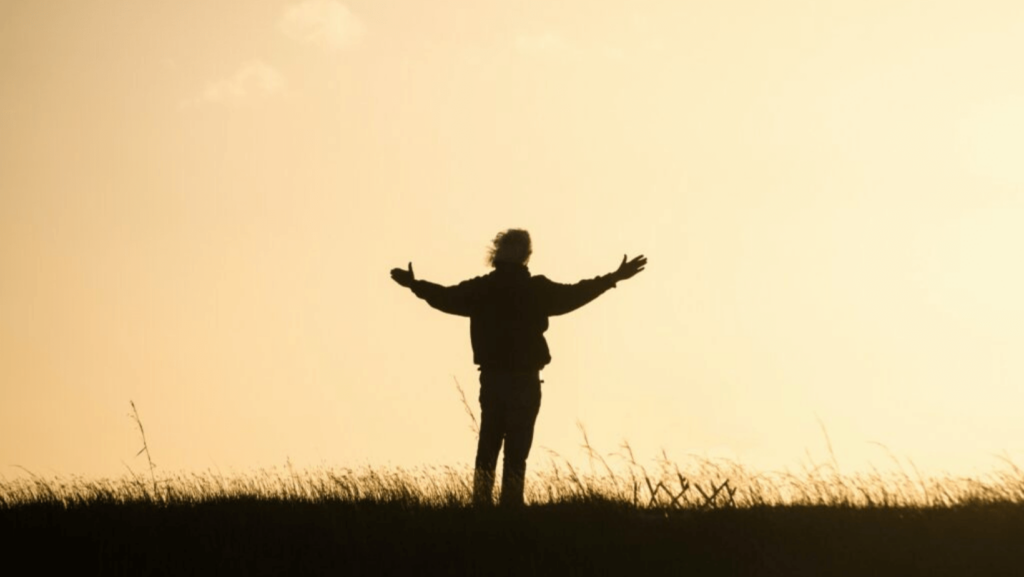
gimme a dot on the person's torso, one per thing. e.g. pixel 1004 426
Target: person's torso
pixel 508 321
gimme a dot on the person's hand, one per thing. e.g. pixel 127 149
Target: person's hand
pixel 403 277
pixel 629 268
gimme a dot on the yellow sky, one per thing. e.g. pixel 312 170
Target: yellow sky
pixel 200 203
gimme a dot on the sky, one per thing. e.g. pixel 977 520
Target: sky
pixel 200 203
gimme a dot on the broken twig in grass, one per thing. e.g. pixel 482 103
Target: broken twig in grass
pixel 145 446
pixel 469 411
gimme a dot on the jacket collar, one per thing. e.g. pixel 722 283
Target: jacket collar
pixel 511 268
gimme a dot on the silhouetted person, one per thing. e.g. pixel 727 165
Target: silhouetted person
pixel 508 311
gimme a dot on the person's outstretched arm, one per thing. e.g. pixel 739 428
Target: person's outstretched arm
pixel 454 300
pixel 558 299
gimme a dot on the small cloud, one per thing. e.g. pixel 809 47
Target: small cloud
pixel 552 46
pixel 328 24
pixel 548 43
pixel 254 78
pixel 614 53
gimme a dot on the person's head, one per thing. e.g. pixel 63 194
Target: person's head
pixel 512 245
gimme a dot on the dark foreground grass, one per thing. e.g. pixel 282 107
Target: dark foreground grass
pixel 246 536
pixel 376 522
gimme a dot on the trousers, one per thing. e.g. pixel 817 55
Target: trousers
pixel 509 404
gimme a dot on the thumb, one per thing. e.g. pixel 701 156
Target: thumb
pixel 623 260
pixel 410 269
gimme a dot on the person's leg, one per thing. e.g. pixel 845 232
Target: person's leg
pixel 521 416
pixel 492 433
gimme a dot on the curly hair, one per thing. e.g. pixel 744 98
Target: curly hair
pixel 512 245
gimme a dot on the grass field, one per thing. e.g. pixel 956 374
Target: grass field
pixel 706 518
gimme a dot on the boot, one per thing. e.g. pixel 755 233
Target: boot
pixel 511 490
pixel 483 488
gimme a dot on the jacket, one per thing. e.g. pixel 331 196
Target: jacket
pixel 508 311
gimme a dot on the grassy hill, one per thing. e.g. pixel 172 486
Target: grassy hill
pixel 716 520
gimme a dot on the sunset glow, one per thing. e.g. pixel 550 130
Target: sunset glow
pixel 200 204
